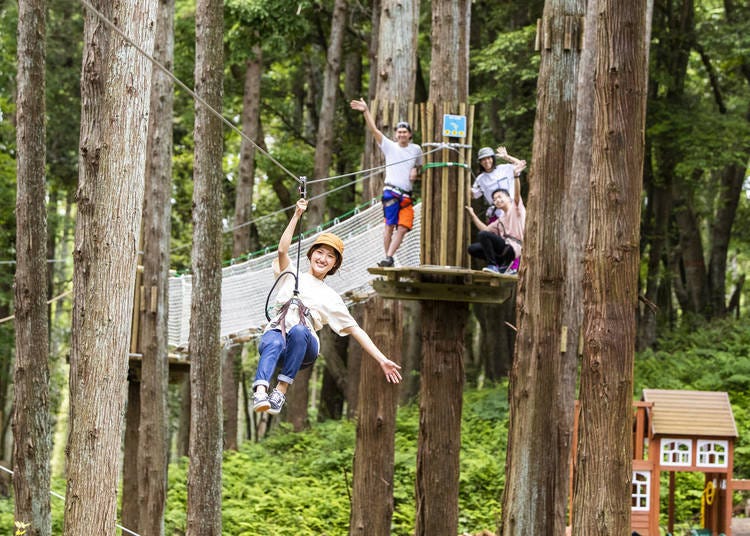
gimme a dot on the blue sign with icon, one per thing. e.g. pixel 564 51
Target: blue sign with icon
pixel 454 126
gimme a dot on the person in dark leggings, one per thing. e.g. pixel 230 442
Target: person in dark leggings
pixel 493 249
pixel 499 243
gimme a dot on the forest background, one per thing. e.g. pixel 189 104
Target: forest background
pixel 696 221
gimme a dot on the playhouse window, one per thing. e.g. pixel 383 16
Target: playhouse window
pixel 712 453
pixel 676 452
pixel 640 492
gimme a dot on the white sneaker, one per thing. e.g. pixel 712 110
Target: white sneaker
pixel 276 400
pixel 260 402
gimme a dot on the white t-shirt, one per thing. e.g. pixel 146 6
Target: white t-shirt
pixel 500 177
pixel 397 174
pixel 324 304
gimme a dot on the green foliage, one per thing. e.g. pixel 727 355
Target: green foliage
pixel 509 69
pixel 299 484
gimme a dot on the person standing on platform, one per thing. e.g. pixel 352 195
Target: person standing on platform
pixel 403 160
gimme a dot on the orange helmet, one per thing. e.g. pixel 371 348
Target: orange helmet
pixel 329 239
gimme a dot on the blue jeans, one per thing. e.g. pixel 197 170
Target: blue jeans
pixel 299 349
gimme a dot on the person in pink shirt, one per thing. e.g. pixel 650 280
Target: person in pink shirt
pixel 500 242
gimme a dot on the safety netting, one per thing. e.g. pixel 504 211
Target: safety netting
pixel 246 285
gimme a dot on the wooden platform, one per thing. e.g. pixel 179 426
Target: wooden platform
pixel 442 283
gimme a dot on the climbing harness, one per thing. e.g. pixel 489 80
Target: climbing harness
pixel 294 300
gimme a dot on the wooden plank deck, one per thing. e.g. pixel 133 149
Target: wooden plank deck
pixel 442 283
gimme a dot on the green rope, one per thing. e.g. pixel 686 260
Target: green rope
pixel 445 164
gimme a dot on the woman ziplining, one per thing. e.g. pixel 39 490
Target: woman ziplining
pixel 304 304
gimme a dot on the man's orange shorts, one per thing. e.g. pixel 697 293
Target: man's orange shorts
pixel 398 208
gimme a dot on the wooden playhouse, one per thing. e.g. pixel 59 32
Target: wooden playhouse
pixel 683 431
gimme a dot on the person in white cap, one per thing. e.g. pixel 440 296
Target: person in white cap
pixel 493 176
pixel 290 340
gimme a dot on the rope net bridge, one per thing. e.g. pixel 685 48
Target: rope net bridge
pixel 245 285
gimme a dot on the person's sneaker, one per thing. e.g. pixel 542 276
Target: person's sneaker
pixel 260 402
pixel 491 268
pixel 511 271
pixel 388 261
pixel 276 400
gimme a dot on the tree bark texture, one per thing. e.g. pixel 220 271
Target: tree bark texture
pixel 153 329
pixel 130 473
pixel 31 419
pixel 602 499
pixel 449 63
pixel 115 89
pixel 206 434
pixel 440 405
pixel 327 119
pixel 542 380
pixel 245 233
pixel 372 492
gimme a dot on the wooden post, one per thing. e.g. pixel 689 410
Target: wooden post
pixel 446 182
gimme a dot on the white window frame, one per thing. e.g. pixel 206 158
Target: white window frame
pixel 640 491
pixel 711 444
pixel 677 457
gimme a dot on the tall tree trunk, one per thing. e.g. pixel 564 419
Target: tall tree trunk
pixel 183 427
pixel 449 71
pixel 394 46
pixel 412 350
pixel 327 119
pixel 730 188
pixel 31 419
pixel 440 405
pixel 372 493
pixel 130 473
pixel 671 54
pixel 496 339
pixel 656 236
pixel 542 381
pixel 602 499
pixel 115 87
pixel 692 268
pixel 245 234
pixel 443 323
pixel 206 435
pixel 333 388
pixel 153 329
pixel 371 187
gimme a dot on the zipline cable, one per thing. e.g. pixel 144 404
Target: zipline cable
pixel 184 86
pixel 51 300
pixel 376 168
